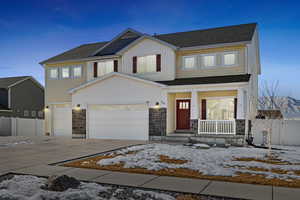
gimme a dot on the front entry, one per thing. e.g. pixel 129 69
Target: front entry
pixel 183 110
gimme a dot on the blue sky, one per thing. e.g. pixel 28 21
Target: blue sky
pixel 34 30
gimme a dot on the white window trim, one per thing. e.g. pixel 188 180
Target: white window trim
pixel 195 65
pixel 236 58
pixel 73 67
pixel 61 72
pixel 104 61
pixel 137 64
pixel 49 73
pixel 202 60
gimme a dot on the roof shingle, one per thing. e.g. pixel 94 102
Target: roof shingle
pixel 7 81
pixel 227 34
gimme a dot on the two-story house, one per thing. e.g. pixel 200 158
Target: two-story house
pixel 22 97
pixel 200 83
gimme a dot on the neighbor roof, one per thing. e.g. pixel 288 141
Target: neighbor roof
pixel 8 81
pixel 221 35
pixel 208 80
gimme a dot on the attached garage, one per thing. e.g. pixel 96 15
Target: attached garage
pixel 62 120
pixel 116 106
pixel 128 122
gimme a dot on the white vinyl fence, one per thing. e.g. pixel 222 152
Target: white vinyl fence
pixel 284 132
pixel 21 127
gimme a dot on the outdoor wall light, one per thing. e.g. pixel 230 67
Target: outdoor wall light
pixel 77 107
pixel 46 108
pixel 157 105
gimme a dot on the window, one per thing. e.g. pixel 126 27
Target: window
pixel 220 108
pixel 26 113
pixel 77 71
pixel 33 113
pixel 53 73
pixel 230 59
pixel 105 67
pixel 209 60
pixel 65 72
pixel 146 64
pixel 189 62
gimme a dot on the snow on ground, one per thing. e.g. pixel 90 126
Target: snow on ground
pixel 29 188
pixel 14 143
pixel 213 161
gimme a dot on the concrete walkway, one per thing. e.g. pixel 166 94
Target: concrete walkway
pixel 34 158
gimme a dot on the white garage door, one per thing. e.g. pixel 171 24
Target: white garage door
pixel 129 122
pixel 62 120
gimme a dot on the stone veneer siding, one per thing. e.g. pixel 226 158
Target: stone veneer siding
pixel 79 123
pixel 194 125
pixel 240 126
pixel 157 121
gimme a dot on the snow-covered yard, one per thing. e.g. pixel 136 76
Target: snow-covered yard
pixel 13 141
pixel 21 187
pixel 241 164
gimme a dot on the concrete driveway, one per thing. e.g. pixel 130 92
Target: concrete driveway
pixel 17 153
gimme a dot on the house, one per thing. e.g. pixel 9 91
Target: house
pixel 21 97
pixel 200 83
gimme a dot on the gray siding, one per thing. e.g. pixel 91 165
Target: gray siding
pixel 27 96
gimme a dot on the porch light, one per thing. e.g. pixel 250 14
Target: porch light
pixel 46 108
pixel 77 107
pixel 157 105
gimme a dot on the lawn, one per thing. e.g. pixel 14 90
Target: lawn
pixel 236 164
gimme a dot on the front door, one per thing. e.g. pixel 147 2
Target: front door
pixel 183 109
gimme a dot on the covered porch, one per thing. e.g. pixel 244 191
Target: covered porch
pixel 207 112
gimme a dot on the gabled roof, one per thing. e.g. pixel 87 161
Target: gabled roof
pixel 8 81
pixel 213 36
pixel 106 76
pixel 208 80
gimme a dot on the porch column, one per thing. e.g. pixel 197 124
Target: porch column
pixel 194 105
pixel 240 104
pixel 194 111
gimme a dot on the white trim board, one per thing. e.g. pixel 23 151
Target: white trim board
pixel 71 91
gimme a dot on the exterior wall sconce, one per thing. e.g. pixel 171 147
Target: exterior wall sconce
pixel 46 108
pixel 157 106
pixel 77 107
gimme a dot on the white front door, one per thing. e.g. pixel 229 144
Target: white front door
pixel 62 120
pixel 129 122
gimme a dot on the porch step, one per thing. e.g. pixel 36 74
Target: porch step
pixel 183 132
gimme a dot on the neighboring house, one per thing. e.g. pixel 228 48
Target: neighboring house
pixel 287 108
pixel 21 97
pixel 200 83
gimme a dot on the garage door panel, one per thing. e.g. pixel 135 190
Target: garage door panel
pixel 118 122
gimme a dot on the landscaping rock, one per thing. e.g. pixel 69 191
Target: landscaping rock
pixel 61 183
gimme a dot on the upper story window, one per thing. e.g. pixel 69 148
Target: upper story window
pixel 189 62
pixel 230 58
pixel 105 67
pixel 65 72
pixel 77 71
pixel 33 113
pixel 53 73
pixel 209 60
pixel 146 64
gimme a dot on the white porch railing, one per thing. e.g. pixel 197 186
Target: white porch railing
pixel 216 126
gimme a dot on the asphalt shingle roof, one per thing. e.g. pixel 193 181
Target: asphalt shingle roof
pixel 208 80
pixel 7 81
pixel 227 34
